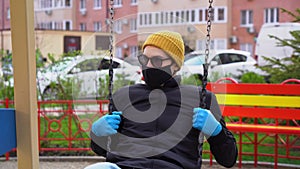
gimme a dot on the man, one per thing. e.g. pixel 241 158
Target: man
pixel 159 124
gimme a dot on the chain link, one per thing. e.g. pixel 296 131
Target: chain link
pixel 205 65
pixel 111 71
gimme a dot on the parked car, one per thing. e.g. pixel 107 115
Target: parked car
pixel 87 70
pixel 268 47
pixel 221 63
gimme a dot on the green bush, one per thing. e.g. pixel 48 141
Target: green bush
pixel 251 77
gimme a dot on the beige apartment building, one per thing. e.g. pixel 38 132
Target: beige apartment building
pixel 187 17
pixel 94 16
pixel 54 15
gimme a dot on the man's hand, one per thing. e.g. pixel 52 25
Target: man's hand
pixel 107 125
pixel 203 120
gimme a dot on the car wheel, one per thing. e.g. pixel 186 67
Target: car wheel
pixel 51 93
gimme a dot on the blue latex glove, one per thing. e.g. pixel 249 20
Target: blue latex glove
pixel 203 120
pixel 107 125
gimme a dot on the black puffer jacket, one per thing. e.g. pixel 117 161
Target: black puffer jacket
pixel 156 129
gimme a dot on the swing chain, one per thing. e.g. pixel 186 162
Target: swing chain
pixel 205 65
pixel 111 72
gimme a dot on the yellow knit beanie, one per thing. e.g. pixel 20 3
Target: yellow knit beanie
pixel 170 42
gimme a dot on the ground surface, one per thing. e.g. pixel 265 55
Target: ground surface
pixel 81 163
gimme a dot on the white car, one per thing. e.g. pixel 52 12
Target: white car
pixel 87 70
pixel 221 63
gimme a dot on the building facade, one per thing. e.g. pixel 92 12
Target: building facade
pixel 54 14
pixel 187 17
pixel 250 15
pixel 235 23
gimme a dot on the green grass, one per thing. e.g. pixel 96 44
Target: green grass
pixel 266 145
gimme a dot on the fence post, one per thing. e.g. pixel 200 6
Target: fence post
pixel 7 106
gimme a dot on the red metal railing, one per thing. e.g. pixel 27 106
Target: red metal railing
pixel 56 119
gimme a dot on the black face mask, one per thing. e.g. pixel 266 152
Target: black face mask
pixel 156 77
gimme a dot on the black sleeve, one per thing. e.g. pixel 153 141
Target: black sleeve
pixel 223 146
pixel 100 145
pixel 97 144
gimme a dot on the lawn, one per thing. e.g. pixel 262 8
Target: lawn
pixel 78 138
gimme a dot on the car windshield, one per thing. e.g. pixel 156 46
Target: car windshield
pixel 60 65
pixel 196 60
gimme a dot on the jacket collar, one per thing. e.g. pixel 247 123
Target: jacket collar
pixel 173 82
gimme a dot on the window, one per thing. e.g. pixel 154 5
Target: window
pixel 133 2
pixel 133 25
pixel 119 52
pixel 149 21
pixel 97 26
pixel 156 21
pixel 97 4
pixel 246 17
pixel 214 44
pixel 46 4
pixel 224 58
pixel 117 3
pixel 67 25
pixel 68 3
pixel 227 58
pixel 162 18
pixel 88 65
pixel 145 19
pixel 220 44
pixel 201 15
pixel 8 13
pixel 247 47
pixel 212 15
pixel 271 15
pixel 182 17
pixel 221 14
pixel 133 51
pixel 218 14
pixel 58 3
pixel 82 4
pixel 177 19
pixel 58 25
pixel 237 58
pixel 141 19
pixel 105 63
pixel 171 17
pixel 193 16
pixel 82 26
pixel 187 16
pixel 102 42
pixel 118 26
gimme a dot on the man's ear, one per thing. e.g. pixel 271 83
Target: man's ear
pixel 176 68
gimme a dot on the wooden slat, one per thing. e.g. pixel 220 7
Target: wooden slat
pixel 263 128
pixel 244 88
pixel 259 100
pixel 261 112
